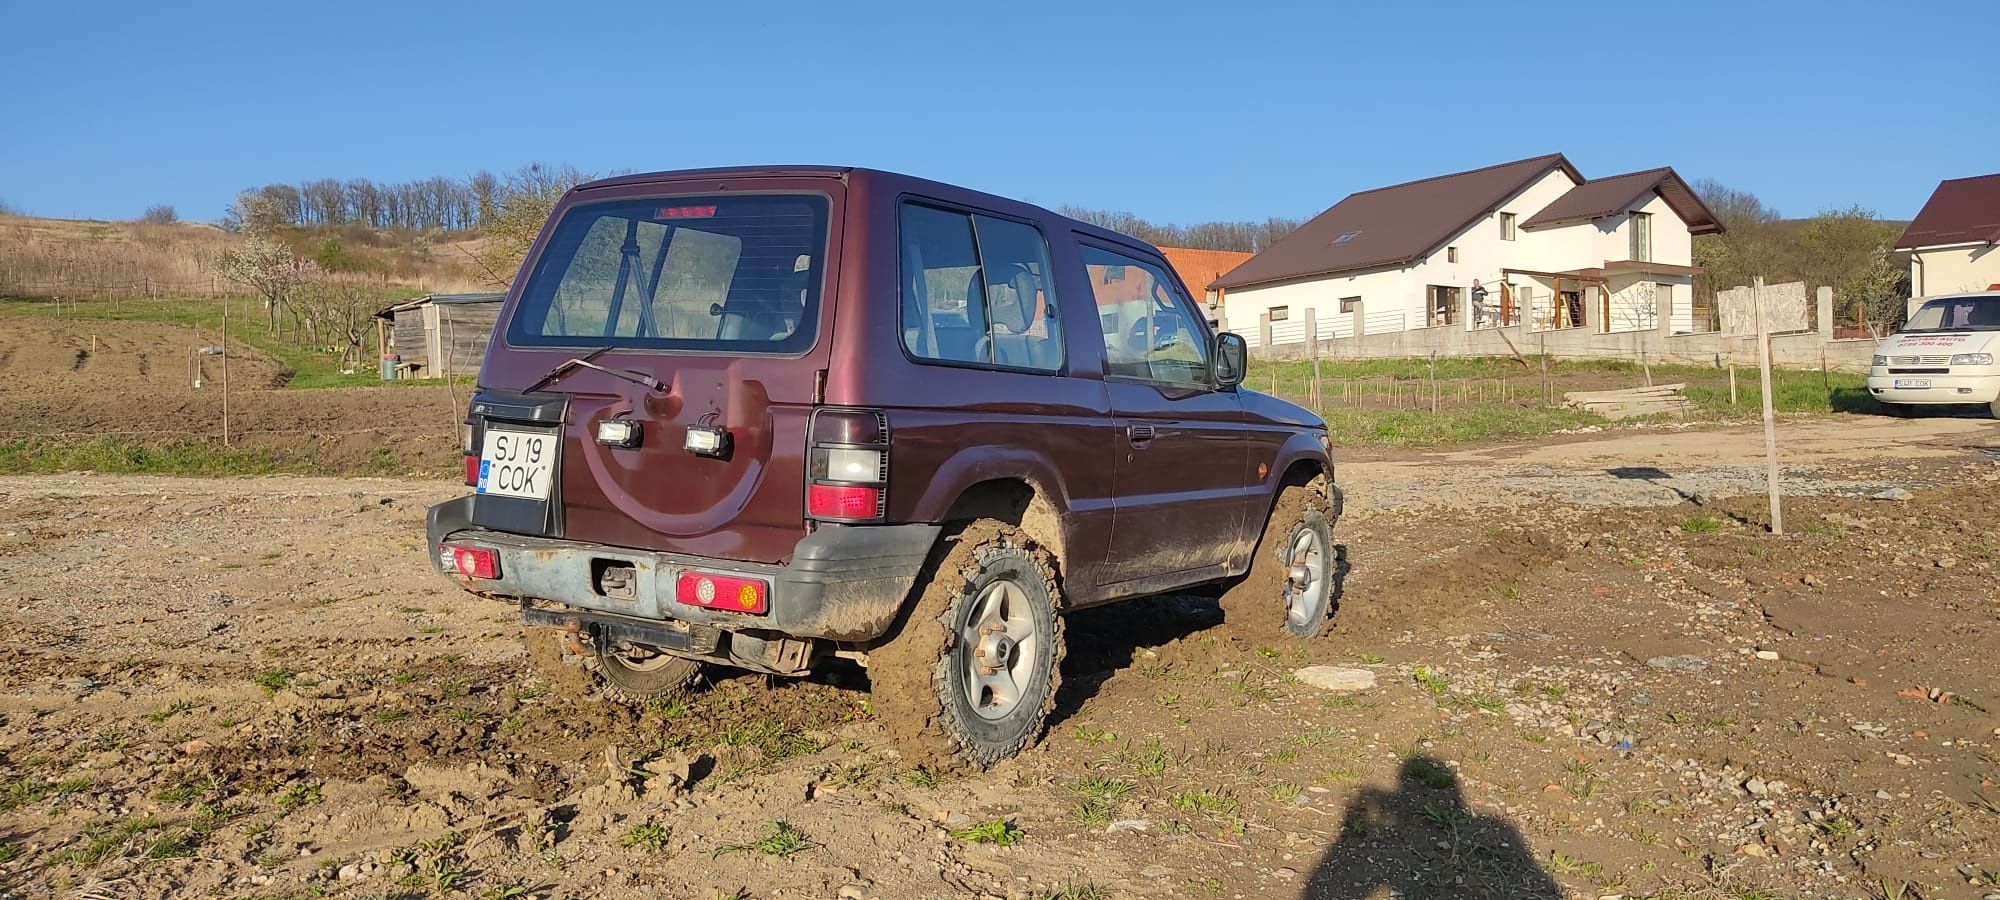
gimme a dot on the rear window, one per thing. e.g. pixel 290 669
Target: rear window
pixel 734 273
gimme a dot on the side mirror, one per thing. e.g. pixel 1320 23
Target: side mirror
pixel 1231 359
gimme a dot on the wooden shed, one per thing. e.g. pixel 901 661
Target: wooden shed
pixel 437 335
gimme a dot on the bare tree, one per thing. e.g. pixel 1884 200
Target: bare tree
pixel 1253 237
pixel 341 310
pixel 160 214
pixel 527 196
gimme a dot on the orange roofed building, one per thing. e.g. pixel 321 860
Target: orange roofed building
pixel 1200 268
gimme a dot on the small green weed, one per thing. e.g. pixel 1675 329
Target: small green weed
pixel 650 837
pixel 780 839
pixel 999 832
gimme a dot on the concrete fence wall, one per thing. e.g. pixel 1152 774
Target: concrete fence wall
pixel 1801 349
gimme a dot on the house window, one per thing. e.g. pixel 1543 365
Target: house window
pixel 1642 237
pixel 1506 226
pixel 1444 302
pixel 1451 254
pixel 1280 313
pixel 1347 304
pixel 1345 237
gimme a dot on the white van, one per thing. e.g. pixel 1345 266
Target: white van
pixel 1945 355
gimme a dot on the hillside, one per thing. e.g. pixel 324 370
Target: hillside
pixel 42 257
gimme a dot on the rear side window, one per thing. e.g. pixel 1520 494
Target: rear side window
pixel 728 273
pixel 975 289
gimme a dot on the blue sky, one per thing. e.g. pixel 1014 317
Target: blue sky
pixel 1174 111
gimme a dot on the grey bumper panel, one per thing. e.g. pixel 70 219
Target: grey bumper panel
pixel 845 582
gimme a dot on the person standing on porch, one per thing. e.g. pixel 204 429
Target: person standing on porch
pixel 1478 305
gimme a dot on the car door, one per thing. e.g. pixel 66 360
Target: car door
pixel 1178 471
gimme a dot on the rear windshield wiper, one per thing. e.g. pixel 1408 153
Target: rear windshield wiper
pixel 584 362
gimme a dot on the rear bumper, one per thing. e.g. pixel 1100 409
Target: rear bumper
pixel 844 583
pixel 1943 388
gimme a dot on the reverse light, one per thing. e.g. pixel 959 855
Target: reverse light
pixel 618 433
pixel 707 440
pixel 846 464
pixel 476 562
pixel 727 593
pixel 468 444
pixel 1972 359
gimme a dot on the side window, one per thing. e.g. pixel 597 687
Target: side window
pixel 976 289
pixel 1149 331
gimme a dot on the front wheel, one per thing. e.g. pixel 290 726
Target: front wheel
pixel 1294 574
pixel 1994 408
pixel 971 675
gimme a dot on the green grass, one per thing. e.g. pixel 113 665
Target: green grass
pixel 43 456
pixel 780 839
pixel 650 837
pixel 1703 524
pixel 999 832
pixel 1394 408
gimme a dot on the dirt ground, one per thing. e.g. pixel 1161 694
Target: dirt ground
pixel 1597 677
pixel 97 377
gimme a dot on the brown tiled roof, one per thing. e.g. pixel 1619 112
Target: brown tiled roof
pixel 1960 211
pixel 1392 225
pixel 1600 197
pixel 1200 268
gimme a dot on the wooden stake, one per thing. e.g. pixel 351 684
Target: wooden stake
pixel 1770 416
pixel 1732 382
pixel 225 372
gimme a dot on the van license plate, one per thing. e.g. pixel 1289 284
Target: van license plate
pixel 1913 382
pixel 517 463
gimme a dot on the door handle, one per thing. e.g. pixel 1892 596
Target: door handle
pixel 1140 435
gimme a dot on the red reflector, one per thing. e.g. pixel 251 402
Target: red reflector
pixel 840 501
pixel 471 470
pixel 723 592
pixel 476 562
pixel 685 212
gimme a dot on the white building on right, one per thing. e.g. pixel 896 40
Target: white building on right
pixel 1952 242
pixel 1531 242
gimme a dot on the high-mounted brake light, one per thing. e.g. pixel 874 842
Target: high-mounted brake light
pixel 686 212
pixel 847 466
pixel 728 593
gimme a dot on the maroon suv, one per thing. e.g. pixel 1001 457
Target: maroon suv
pixel 759 417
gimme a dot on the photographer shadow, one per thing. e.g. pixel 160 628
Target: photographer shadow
pixel 1421 840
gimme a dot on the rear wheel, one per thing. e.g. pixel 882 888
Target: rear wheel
pixel 637 674
pixel 971 675
pixel 1293 572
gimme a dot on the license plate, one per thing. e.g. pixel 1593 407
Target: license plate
pixel 1913 382
pixel 517 463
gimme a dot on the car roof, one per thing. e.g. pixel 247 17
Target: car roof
pixel 895 181
pixel 1953 295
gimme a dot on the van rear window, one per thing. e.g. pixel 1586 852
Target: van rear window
pixel 735 273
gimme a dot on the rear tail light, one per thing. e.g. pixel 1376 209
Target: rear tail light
pixel 847 466
pixel 727 593
pixel 468 444
pixel 475 562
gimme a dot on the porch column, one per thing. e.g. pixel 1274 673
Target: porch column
pixel 1663 299
pixel 1264 330
pixel 1312 330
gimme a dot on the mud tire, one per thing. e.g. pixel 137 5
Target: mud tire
pixel 1255 606
pixel 919 677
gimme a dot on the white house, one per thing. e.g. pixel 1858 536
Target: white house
pixel 1529 242
pixel 1952 241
